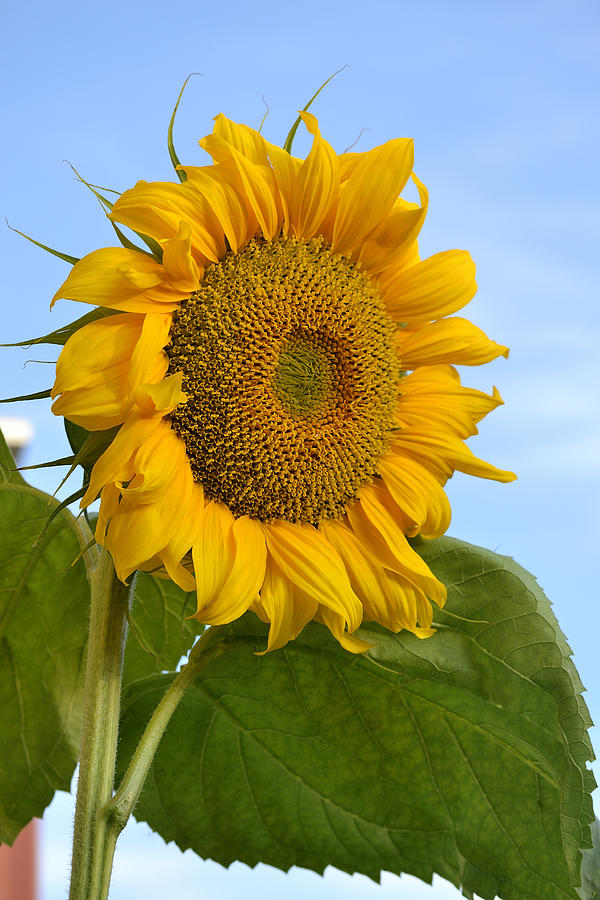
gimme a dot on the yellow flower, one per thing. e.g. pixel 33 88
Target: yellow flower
pixel 274 453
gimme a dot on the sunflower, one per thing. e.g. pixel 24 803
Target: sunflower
pixel 281 371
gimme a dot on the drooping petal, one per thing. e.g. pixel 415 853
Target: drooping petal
pixel 241 586
pixel 115 466
pixel 456 341
pixel 161 398
pixel 213 551
pixel 139 531
pixel 156 463
pixel 95 349
pixel 310 562
pixel 182 539
pixel 92 372
pixel 336 625
pixel 370 193
pixel 432 288
pixel 286 608
pixel 374 523
pixel 365 574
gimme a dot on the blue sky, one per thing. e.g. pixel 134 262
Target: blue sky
pixel 502 101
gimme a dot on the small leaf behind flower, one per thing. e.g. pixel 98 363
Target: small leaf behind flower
pixel 462 755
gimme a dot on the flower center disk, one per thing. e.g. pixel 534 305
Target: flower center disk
pixel 288 362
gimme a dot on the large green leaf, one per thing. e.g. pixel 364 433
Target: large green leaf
pixel 463 754
pixel 160 634
pixel 43 626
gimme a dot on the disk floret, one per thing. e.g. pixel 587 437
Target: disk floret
pixel 287 358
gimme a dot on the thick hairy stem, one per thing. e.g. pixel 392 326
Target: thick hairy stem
pixel 118 810
pixel 101 703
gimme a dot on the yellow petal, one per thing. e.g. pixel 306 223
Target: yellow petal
pixel 335 623
pixel 433 395
pixel 286 608
pixel 156 463
pixel 432 288
pixel 243 583
pixel 158 208
pixel 392 245
pixel 370 193
pixel 245 139
pixel 455 341
pixel 116 463
pixel 95 349
pixel 286 169
pixel 445 452
pixel 213 552
pixel 182 540
pixel 256 182
pixel 373 522
pixel 96 408
pixel 417 493
pixel 109 504
pixel 117 278
pixel 316 184
pixel 92 372
pixel 161 398
pixel 311 563
pixel 366 575
pixel 148 363
pixel 179 264
pixel 217 185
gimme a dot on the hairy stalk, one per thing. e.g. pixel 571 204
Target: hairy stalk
pixel 101 703
pixel 117 811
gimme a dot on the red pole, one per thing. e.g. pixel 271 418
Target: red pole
pixel 18 866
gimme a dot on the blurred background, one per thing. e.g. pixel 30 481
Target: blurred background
pixel 502 101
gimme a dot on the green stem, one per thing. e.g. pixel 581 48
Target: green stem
pixel 101 702
pixel 117 811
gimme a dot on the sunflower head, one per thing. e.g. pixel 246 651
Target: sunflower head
pixel 280 372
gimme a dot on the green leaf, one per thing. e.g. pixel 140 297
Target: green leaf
pixel 462 755
pixel 43 628
pixel 160 634
pixel 590 867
